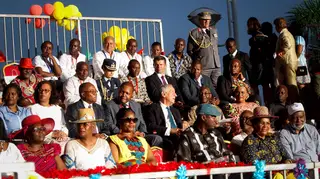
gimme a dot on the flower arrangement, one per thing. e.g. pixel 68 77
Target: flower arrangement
pixel 143 168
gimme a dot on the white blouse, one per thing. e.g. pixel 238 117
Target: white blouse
pixel 11 155
pixel 79 157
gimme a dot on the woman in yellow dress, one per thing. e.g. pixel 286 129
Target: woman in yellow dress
pixel 127 148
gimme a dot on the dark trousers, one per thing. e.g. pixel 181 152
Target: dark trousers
pixel 214 74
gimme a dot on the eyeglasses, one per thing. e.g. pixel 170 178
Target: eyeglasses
pixel 91 91
pixel 130 119
pixel 205 93
pixel 44 90
pixel 39 129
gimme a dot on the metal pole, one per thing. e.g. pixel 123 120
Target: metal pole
pixel 229 19
pixel 235 22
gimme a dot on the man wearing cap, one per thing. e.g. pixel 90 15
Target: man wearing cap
pixel 88 150
pixel 71 86
pixel 203 45
pixel 301 140
pixel 107 84
pixel 27 81
pixel 107 52
pixel 201 142
pixel 88 95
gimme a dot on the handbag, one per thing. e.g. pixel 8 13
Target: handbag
pixel 301 71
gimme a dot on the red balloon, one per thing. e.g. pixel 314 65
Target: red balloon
pixel 35 10
pixel 76 32
pixel 28 21
pixel 48 9
pixel 40 23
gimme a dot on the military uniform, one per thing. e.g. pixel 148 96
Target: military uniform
pixel 108 87
pixel 203 45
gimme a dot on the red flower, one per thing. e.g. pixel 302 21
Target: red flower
pixel 141 149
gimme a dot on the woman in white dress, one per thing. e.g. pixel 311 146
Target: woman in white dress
pixel 87 151
pixel 46 107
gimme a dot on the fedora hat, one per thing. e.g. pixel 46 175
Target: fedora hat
pixel 26 63
pixel 48 123
pixel 261 112
pixel 86 115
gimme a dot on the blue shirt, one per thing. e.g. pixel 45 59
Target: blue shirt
pixel 12 120
pixel 305 145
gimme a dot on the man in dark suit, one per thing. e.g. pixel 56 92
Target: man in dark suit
pixel 158 79
pixel 124 101
pixel 88 94
pixel 236 54
pixel 190 84
pixel 164 120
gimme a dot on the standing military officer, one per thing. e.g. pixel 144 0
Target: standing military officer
pixel 203 45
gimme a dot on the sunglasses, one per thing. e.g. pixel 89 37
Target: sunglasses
pixel 39 129
pixel 130 120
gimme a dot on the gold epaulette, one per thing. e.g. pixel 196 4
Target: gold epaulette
pixel 201 44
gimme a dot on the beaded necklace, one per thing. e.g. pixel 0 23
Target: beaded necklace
pixel 136 148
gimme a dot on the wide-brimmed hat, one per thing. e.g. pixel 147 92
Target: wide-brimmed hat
pixel 261 112
pixel 86 115
pixel 48 123
pixel 205 15
pixel 109 64
pixel 26 63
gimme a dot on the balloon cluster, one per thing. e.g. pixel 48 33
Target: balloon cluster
pixel 58 12
pixel 121 36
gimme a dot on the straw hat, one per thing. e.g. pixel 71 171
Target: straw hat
pixel 86 115
pixel 261 112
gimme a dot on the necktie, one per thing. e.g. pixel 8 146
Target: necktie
pixel 208 32
pixel 90 106
pixel 163 80
pixel 124 106
pixel 198 84
pixel 172 123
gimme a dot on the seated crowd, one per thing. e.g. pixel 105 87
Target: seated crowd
pixel 68 117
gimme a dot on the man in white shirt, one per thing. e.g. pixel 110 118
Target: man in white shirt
pixel 71 86
pixel 46 64
pixel 128 55
pixel 107 53
pixel 148 60
pixel 68 61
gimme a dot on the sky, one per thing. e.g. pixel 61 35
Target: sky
pixel 173 13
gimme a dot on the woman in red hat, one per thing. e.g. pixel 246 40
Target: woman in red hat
pixel 45 156
pixel 27 81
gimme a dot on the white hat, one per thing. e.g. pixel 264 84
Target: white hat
pixel 295 107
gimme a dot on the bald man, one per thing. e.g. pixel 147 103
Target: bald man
pixel 106 53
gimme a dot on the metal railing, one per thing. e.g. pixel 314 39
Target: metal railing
pixel 22 168
pixel 22 39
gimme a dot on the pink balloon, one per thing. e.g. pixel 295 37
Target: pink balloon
pixel 48 9
pixel 40 23
pixel 35 10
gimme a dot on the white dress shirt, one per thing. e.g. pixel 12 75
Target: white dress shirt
pixel 167 119
pixel 38 62
pixel 97 62
pixel 68 65
pixel 87 105
pixel 149 68
pixel 199 80
pixel 234 53
pixel 125 58
pixel 71 90
pixel 160 77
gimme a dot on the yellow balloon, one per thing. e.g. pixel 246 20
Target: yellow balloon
pixel 79 14
pixel 58 5
pixel 69 25
pixel 114 31
pixel 58 14
pixel 68 12
pixel 61 22
pixel 130 37
pixel 124 34
pixel 74 10
pixel 104 35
